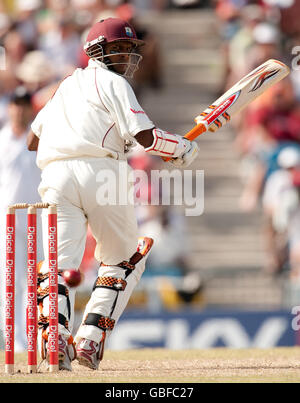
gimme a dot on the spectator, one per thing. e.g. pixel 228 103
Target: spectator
pixel 276 200
pixel 289 17
pixel 57 8
pixel 38 75
pixel 266 44
pixel 61 45
pixel 242 41
pixel 265 128
pixel 150 73
pixel 167 229
pixel 5 24
pixel 293 205
pixel 36 71
pixel 272 119
pixel 19 180
pixel 26 23
pixel 15 51
pixel 85 11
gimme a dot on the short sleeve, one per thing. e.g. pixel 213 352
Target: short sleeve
pixel 37 124
pixel 121 102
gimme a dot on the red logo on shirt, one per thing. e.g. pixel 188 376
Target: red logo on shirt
pixel 134 111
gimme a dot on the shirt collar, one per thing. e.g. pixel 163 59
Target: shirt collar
pixel 96 63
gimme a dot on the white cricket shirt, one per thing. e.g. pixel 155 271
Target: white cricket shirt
pixel 91 114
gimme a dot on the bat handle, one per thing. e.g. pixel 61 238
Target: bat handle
pixel 191 135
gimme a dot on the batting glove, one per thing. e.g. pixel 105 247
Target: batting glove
pixel 190 152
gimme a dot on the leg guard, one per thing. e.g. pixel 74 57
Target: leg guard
pixel 65 306
pixel 110 295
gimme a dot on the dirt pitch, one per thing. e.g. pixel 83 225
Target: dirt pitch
pixel 221 365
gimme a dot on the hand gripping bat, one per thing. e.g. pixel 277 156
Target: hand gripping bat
pixel 238 97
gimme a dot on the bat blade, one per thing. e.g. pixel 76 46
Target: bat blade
pixel 238 97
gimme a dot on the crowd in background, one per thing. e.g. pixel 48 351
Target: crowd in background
pixel 268 132
pixel 43 43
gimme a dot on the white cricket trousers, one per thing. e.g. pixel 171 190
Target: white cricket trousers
pixel 77 187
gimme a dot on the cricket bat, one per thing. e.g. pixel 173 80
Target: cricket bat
pixel 238 97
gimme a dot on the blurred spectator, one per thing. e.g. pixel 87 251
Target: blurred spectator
pixel 86 11
pixel 166 228
pixel 227 25
pixel 281 205
pixel 278 225
pixel 293 207
pixel 150 72
pixel 61 45
pixel 266 45
pixel 168 280
pixel 242 41
pixel 25 15
pixel 150 5
pixel 19 180
pixel 228 13
pixel 274 118
pixel 264 129
pixel 15 51
pixel 35 71
pixel 57 8
pixel 39 77
pixel 289 16
pixel 18 166
pixel 5 24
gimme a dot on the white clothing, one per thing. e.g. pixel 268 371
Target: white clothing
pixel 19 179
pixel 72 185
pixel 281 199
pixel 91 114
pixel 82 132
pixel 292 203
pixel 19 176
pixel 277 182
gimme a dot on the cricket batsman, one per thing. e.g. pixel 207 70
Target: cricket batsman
pixel 85 128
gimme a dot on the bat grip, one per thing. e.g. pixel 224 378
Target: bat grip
pixel 191 135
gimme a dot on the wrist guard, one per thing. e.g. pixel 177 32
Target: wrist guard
pixel 166 144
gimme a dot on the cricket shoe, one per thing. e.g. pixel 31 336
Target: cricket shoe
pixel 89 353
pixel 66 353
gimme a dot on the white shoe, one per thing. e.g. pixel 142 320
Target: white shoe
pixel 89 353
pixel 66 353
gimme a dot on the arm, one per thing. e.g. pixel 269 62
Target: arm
pixel 36 129
pixel 130 116
pixel 180 151
pixel 32 141
pixel 145 138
